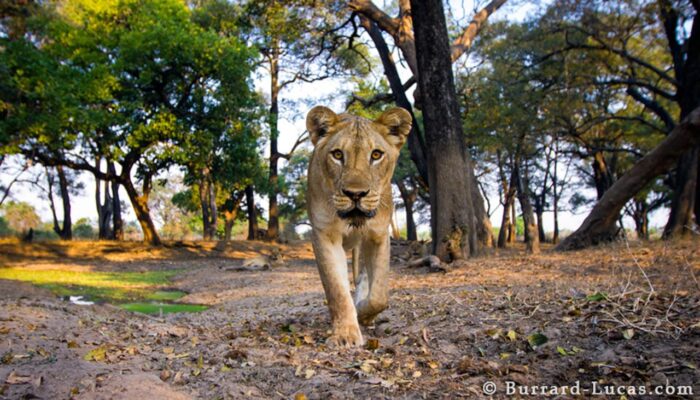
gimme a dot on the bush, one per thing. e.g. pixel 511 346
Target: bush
pixel 83 229
pixel 5 228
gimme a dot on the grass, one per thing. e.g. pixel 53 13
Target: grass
pixel 167 308
pixel 112 287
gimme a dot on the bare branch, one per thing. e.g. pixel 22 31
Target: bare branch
pixel 464 41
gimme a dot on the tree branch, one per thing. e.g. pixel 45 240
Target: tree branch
pixel 464 41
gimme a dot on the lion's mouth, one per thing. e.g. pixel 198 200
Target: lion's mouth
pixel 356 216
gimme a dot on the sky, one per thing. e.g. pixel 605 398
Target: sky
pixel 292 125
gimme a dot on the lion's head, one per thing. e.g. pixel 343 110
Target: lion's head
pixel 356 158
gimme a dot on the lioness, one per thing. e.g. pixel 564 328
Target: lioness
pixel 350 207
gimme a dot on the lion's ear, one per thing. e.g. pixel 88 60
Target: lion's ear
pixel 398 120
pixel 318 121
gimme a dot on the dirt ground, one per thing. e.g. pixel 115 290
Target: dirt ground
pixel 623 315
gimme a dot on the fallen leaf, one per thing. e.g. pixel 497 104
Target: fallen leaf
pixel 98 354
pixel 17 379
pixel 512 335
pixel 628 333
pixel 372 344
pixel 536 339
pixel 300 396
pixel 597 296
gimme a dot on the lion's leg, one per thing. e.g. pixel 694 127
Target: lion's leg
pixel 333 268
pixel 375 259
pixel 355 264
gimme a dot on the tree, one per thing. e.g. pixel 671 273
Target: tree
pixel 20 216
pixel 599 225
pixel 400 28
pixel 149 75
pixel 300 41
pixel 657 67
pixel 453 228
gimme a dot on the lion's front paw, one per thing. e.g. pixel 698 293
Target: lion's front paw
pixel 345 336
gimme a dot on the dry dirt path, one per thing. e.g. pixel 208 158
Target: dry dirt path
pixel 614 315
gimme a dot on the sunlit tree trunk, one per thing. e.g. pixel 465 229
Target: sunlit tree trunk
pixel 409 199
pixel 273 209
pixel 141 209
pixel 532 242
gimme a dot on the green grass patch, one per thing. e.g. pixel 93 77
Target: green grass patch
pixel 113 287
pixel 165 295
pixel 167 308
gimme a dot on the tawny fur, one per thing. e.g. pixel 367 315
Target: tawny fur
pixel 330 180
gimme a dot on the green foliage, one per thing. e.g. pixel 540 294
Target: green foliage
pixel 20 216
pixel 5 229
pixel 83 229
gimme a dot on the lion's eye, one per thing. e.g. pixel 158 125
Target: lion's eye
pixel 337 154
pixel 376 155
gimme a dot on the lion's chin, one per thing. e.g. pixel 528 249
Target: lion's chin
pixel 356 216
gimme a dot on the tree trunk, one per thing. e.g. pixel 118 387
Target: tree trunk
pixel 602 177
pixel 52 203
pixel 555 192
pixel 409 198
pixel 505 222
pixel 484 229
pixel 532 242
pixel 140 205
pixel 117 222
pixel 683 203
pixel 252 213
pixel 513 229
pixel 539 212
pixel 204 205
pixel 599 226
pixel 449 165
pixel 273 210
pixel 680 220
pixel 67 230
pixel 641 218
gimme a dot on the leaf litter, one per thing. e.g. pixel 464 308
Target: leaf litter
pixel 550 319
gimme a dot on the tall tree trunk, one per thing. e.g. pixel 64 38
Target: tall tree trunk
pixel 204 206
pixel 409 198
pixel 683 203
pixel 117 222
pixel 140 204
pixel 602 176
pixel 513 228
pixel 641 218
pixel 67 230
pixel 599 225
pixel 252 213
pixel 273 210
pixel 555 192
pixel 539 213
pixel 482 222
pixel 52 203
pixel 505 223
pixel 505 234
pixel 681 218
pixel 449 165
pixel 532 242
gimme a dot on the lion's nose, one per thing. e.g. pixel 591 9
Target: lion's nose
pixel 355 195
